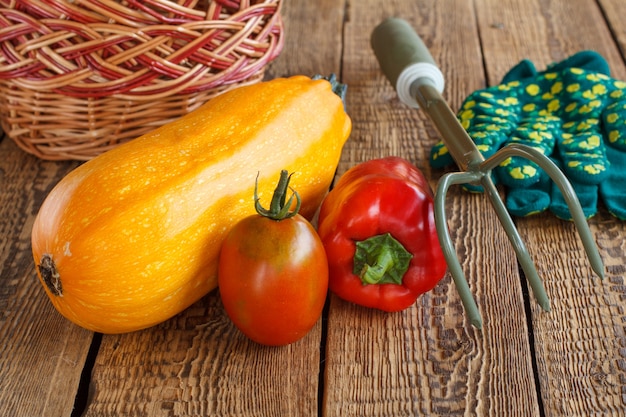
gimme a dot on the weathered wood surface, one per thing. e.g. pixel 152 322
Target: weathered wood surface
pixel 41 354
pixel 427 360
pixel 578 345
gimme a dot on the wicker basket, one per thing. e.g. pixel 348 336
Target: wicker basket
pixel 78 77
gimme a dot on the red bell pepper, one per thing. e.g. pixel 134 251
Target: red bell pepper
pixel 378 228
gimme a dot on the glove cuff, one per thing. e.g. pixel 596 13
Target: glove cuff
pixel 590 61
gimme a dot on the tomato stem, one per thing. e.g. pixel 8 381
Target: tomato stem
pixel 381 259
pixel 280 205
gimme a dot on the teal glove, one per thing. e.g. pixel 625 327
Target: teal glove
pixel 573 112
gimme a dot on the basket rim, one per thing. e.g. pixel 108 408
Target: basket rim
pixel 139 63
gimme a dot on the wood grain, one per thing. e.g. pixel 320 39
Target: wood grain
pixel 543 31
pixel 313 39
pixel 428 360
pixel 614 12
pixel 199 364
pixel 41 354
pixel 579 344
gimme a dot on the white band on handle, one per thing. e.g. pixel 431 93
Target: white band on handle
pixel 411 74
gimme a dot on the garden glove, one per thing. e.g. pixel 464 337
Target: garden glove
pixel 573 112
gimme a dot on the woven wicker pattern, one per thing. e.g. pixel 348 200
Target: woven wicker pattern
pixel 79 77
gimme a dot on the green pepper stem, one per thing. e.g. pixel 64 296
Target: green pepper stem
pixel 279 206
pixel 381 259
pixel 373 274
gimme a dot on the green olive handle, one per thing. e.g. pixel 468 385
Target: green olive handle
pixel 404 59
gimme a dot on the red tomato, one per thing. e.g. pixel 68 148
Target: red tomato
pixel 273 278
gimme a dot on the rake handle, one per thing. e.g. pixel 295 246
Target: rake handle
pixel 404 58
pixel 409 66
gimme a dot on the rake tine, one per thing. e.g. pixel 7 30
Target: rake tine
pixel 518 244
pixel 454 266
pixel 578 217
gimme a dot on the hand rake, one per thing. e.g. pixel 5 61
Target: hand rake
pixel 408 65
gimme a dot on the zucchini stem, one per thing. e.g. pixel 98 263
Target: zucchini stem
pixel 338 88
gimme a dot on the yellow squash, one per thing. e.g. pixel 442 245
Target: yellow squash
pixel 131 238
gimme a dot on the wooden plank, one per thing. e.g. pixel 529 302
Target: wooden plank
pixel 579 344
pixel 545 32
pixel 428 360
pixel 313 39
pixel 41 353
pixel 198 363
pixel 614 12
